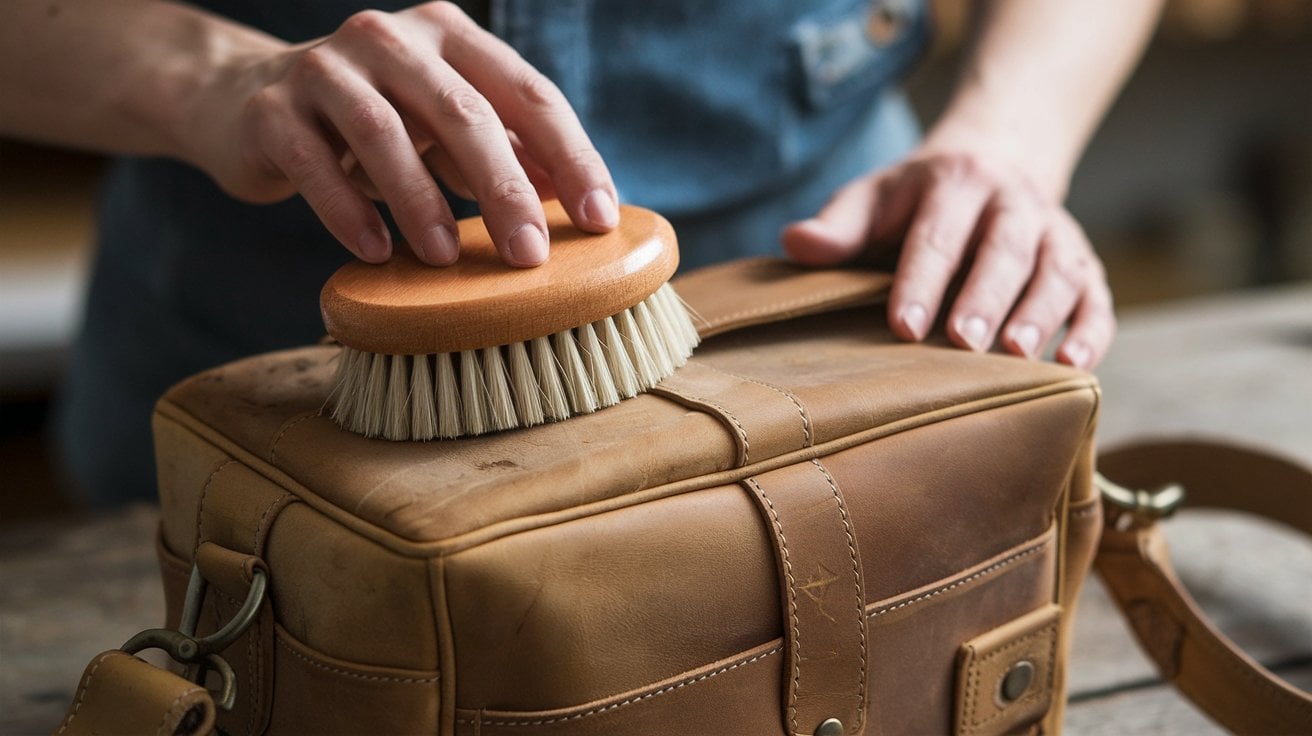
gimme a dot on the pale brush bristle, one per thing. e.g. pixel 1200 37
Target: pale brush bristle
pixel 423 408
pixel 528 397
pixel 549 378
pixel 473 393
pixel 555 404
pixel 447 389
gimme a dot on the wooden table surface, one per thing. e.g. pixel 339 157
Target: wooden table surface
pixel 1238 366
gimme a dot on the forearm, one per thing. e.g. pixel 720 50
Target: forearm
pixel 1038 78
pixel 117 76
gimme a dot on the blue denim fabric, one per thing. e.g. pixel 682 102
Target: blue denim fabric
pixel 731 117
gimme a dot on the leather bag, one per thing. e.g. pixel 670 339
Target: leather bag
pixel 811 528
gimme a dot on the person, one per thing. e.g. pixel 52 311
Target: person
pixel 753 126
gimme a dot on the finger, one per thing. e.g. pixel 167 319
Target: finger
pixel 299 151
pixel 1002 266
pixel 375 134
pixel 942 229
pixel 1066 275
pixel 531 104
pixel 397 51
pixel 1092 329
pixel 538 176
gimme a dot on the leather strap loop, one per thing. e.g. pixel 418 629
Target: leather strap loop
pixel 823 595
pixel 1203 663
pixel 120 693
pixel 757 291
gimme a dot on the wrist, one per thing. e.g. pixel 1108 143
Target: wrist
pixel 994 132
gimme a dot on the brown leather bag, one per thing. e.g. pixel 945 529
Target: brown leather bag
pixel 810 529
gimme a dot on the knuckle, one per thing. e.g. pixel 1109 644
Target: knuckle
pixel 447 14
pixel 506 191
pixel 536 90
pixel 315 64
pixel 368 121
pixel 369 24
pixel 959 167
pixel 465 107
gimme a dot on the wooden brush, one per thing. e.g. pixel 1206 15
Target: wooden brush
pixel 480 346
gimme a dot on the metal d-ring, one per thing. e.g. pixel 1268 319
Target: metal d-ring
pixel 201 655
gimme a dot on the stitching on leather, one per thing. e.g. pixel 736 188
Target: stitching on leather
pixel 357 675
pixel 82 692
pixel 995 567
pixel 856 585
pixel 273 446
pixel 200 506
pixel 792 602
pixel 742 431
pixel 164 729
pixel 807 439
pixel 259 525
pixel 629 701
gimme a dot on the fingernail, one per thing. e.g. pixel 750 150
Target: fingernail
pixel 1077 353
pixel 375 244
pixel 600 209
pixel 974 330
pixel 440 248
pixel 528 247
pixel 914 320
pixel 1026 337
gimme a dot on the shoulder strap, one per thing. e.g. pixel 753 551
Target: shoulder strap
pixel 1204 664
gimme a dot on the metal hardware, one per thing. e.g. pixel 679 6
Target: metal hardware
pixel 830 727
pixel 1016 682
pixel 1142 508
pixel 201 655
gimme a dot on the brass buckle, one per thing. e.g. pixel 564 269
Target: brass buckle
pixel 1139 508
pixel 201 655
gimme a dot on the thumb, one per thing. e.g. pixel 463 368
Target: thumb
pixel 865 211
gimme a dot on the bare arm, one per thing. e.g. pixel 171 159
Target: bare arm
pixel 380 106
pixel 983 192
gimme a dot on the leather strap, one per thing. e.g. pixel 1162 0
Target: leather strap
pixel 122 694
pixel 757 291
pixel 1189 650
pixel 826 648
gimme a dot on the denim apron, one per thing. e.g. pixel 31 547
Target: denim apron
pixel 730 117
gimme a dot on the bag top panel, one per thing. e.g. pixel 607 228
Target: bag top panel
pixel 836 380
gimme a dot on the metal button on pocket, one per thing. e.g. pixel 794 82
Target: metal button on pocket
pixel 1016 682
pixel 830 727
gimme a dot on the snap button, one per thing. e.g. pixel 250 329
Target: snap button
pixel 1017 681
pixel 830 727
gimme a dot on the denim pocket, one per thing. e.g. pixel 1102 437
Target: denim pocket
pixel 851 49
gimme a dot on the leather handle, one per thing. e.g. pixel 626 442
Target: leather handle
pixel 1187 648
pixel 757 291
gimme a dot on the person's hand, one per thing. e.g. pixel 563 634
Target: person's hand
pixel 384 107
pixel 1026 268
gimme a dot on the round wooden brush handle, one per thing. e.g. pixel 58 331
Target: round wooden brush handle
pixel 403 307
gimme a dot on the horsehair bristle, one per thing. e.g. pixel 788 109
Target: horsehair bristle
pixel 528 397
pixel 473 398
pixel 582 397
pixel 555 402
pixel 423 409
pixel 548 378
pixel 501 404
pixel 621 367
pixel 396 414
pixel 449 423
pixel 651 336
pixel 599 376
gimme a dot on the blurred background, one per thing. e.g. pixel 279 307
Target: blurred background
pixel 1198 182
